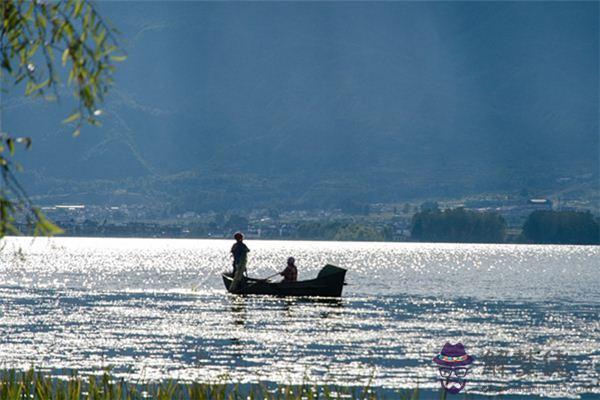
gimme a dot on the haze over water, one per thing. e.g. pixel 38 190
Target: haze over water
pixel 528 314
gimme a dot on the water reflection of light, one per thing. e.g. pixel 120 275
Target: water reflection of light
pixel 128 303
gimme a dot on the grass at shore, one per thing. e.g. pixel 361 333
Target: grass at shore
pixel 36 385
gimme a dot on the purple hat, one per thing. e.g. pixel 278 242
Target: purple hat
pixel 453 355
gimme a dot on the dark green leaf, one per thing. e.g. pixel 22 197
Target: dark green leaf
pixel 11 145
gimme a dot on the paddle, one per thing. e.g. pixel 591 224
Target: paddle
pixel 269 277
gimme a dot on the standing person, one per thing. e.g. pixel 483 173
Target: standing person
pixel 290 273
pixel 239 251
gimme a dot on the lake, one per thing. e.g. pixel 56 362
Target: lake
pixel 157 308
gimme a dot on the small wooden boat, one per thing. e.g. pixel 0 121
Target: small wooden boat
pixel 328 283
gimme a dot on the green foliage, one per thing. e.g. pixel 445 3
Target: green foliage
pixel 340 230
pixel 354 207
pixel 430 206
pixel 316 229
pixel 357 232
pixel 33 34
pixel 35 385
pixel 458 225
pixel 237 222
pixel 561 227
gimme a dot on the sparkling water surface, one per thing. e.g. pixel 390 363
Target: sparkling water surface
pixel 157 308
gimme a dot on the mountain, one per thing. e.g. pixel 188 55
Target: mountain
pixel 228 105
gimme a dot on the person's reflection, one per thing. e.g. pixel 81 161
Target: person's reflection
pixel 238 310
pixel 234 352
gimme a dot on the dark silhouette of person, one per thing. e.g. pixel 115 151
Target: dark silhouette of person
pixel 290 273
pixel 239 251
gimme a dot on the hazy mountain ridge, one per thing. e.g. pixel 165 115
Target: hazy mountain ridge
pixel 227 106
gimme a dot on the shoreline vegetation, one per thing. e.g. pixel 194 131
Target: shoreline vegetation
pixel 37 385
pixel 457 225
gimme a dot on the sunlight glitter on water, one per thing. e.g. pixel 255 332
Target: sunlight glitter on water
pixel 87 303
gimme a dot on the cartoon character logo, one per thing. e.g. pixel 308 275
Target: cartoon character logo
pixel 453 364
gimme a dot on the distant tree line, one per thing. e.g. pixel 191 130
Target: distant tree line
pixel 429 225
pixel 457 225
pixel 342 230
pixel 541 227
pixel 561 227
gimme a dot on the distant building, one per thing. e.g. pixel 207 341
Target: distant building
pixel 70 207
pixel 540 202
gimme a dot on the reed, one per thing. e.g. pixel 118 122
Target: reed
pixel 37 385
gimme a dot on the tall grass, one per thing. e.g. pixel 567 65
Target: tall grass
pixel 36 385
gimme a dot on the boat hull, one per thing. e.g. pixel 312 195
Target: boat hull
pixel 329 283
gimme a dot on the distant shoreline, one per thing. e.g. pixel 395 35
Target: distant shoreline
pixel 253 239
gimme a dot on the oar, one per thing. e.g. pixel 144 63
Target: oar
pixel 269 277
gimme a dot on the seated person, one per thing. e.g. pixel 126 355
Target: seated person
pixel 290 273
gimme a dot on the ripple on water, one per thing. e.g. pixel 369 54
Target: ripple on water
pixel 128 303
